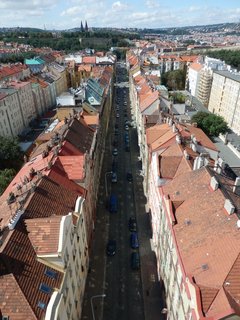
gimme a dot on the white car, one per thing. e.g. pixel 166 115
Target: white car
pixel 117 115
pixel 115 152
pixel 114 177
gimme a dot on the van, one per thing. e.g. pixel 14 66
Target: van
pixel 113 203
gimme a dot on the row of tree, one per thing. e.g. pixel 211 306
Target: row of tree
pixel 70 41
pixel 231 57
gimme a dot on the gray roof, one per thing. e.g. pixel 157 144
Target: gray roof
pixel 230 75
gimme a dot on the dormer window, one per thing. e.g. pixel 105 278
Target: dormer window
pixel 50 273
pixel 45 288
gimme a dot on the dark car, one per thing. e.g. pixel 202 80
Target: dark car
pixel 135 261
pixel 129 177
pixel 111 247
pixel 113 204
pixel 134 240
pixel 132 224
pixel 114 165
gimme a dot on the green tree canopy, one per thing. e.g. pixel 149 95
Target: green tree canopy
pixel 10 153
pixel 174 80
pixel 6 177
pixel 210 123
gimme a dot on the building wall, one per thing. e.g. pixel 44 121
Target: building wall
pixel 225 100
pixel 180 304
pixel 73 252
pixel 26 102
pixel 11 119
pixel 204 86
pixel 193 79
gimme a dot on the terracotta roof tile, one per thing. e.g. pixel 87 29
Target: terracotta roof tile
pixel 73 166
pixel 13 301
pixel 149 100
pixel 19 259
pixel 55 199
pixel 91 60
pixel 209 243
pixel 44 234
pixel 207 297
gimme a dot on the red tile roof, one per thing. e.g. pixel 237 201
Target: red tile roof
pixel 90 60
pixel 149 100
pixel 209 244
pixel 44 234
pixel 18 258
pixel 55 199
pixel 73 166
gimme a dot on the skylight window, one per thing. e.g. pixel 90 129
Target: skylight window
pixel 51 274
pixel 41 305
pixel 45 288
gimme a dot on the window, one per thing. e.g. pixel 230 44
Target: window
pixel 50 273
pixel 41 305
pixel 45 288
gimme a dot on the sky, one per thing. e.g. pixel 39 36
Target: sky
pixel 66 14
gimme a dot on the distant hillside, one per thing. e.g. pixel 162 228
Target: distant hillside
pixel 19 29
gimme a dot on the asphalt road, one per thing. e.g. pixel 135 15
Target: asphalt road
pixel 123 285
pixel 113 290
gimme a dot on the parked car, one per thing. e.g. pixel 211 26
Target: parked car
pixel 115 152
pixel 115 143
pixel 114 177
pixel 134 240
pixel 132 224
pixel 129 177
pixel 135 261
pixel 127 148
pixel 126 127
pixel 117 115
pixel 114 165
pixel 113 204
pixel 111 247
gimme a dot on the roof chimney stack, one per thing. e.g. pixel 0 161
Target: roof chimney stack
pixel 236 185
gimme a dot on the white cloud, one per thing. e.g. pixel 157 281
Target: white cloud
pixel 152 4
pixel 118 6
pixel 71 11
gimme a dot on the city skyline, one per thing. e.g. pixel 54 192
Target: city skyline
pixel 59 14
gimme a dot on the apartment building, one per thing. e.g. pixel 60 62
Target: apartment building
pixel 144 99
pixel 194 202
pixel 199 79
pixel 225 99
pixel 204 85
pixel 43 248
pixel 194 78
pixel 11 116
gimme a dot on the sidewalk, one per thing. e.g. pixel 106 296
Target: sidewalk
pixel 152 293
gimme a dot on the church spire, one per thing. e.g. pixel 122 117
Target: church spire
pixel 86 27
pixel 82 29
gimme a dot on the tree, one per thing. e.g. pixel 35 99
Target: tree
pixel 6 177
pixel 174 80
pixel 210 123
pixel 10 153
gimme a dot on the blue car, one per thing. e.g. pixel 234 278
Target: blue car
pixel 134 240
pixel 113 204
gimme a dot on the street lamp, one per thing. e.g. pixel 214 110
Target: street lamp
pixel 106 173
pixel 93 297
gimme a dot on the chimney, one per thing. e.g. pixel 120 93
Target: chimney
pixel 198 163
pixel 186 155
pixel 214 183
pixel 229 207
pixel 236 185
pixel 178 139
